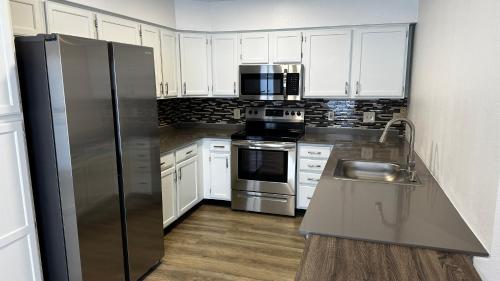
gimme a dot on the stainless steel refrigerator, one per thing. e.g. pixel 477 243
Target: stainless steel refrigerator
pixel 90 117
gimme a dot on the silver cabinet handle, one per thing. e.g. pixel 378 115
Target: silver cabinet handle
pixel 166 86
pixel 357 87
pixel 162 163
pixel 314 166
pixel 311 179
pixel 180 173
pixel 189 152
pixel 227 163
pixel 309 197
pixel 314 153
pixel 234 87
pixel 161 88
pixel 219 146
pixel 185 88
pixel 347 88
pixel 175 176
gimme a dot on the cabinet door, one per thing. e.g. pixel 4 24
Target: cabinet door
pixel 19 257
pixel 194 64
pixel 327 63
pixel 220 176
pixel 9 95
pixel 118 30
pixel 224 64
pixel 170 63
pixel 169 196
pixel 379 62
pixel 70 20
pixel 187 184
pixel 151 38
pixel 286 47
pixel 26 17
pixel 254 47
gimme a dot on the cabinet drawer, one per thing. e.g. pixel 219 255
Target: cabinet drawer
pixel 167 161
pixel 316 165
pixel 309 178
pixel 220 146
pixel 304 195
pixel 186 152
pixel 320 152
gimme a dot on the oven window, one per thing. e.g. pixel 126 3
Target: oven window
pixel 253 84
pixel 262 165
pixel 275 84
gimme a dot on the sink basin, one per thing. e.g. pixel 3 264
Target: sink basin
pixel 372 171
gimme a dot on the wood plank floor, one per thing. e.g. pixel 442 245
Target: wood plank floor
pixel 216 243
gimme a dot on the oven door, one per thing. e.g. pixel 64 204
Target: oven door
pixel 261 166
pixel 262 82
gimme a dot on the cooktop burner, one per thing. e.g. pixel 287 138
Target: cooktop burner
pixel 272 124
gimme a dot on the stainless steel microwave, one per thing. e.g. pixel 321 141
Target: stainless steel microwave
pixel 271 82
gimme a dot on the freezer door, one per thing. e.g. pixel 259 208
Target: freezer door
pixel 82 111
pixel 138 142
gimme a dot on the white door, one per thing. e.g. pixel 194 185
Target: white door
pixel 19 257
pixel 194 64
pixel 220 176
pixel 327 63
pixel 151 38
pixel 286 47
pixel 169 196
pixel 118 30
pixel 69 20
pixel 224 64
pixel 26 17
pixel 379 62
pixel 254 47
pixel 187 184
pixel 170 63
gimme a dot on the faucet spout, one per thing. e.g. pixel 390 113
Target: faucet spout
pixel 411 152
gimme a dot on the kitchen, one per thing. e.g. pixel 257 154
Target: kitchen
pixel 258 136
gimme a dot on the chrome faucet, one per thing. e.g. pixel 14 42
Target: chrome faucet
pixel 410 168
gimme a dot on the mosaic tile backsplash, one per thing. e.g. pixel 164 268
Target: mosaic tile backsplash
pixel 348 113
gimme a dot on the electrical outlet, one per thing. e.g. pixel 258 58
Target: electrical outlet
pixel 368 117
pixel 331 115
pixel 403 111
pixel 236 113
pixel 396 115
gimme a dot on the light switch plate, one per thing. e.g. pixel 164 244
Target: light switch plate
pixel 368 117
pixel 236 113
pixel 331 115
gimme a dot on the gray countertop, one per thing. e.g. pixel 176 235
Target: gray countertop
pixel 420 216
pixel 176 137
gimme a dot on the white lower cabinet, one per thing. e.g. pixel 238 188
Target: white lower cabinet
pixel 169 196
pixel 187 184
pixel 312 161
pixel 220 176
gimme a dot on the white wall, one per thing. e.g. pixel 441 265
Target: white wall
pixel 229 15
pixel 160 12
pixel 455 104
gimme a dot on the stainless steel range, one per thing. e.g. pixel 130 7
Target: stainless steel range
pixel 263 159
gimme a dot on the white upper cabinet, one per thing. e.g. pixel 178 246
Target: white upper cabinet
pixel 254 47
pixel 379 62
pixel 151 38
pixel 286 46
pixel 224 64
pixel 120 30
pixel 69 20
pixel 327 63
pixel 194 64
pixel 26 17
pixel 9 95
pixel 170 63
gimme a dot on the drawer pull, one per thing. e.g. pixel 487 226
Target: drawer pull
pixel 189 152
pixel 314 166
pixel 314 153
pixel 309 197
pixel 162 163
pixel 311 179
pixel 219 146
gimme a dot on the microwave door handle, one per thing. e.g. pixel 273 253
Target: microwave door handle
pixel 285 95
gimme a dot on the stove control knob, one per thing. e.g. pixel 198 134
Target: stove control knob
pixel 293 113
pixel 255 112
pixel 287 113
pixel 298 113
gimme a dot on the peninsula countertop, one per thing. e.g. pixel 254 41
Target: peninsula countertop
pixel 418 216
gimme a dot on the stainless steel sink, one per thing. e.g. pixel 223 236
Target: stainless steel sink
pixel 373 171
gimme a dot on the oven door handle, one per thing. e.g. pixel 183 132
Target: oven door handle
pixel 273 148
pixel 275 197
pixel 269 146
